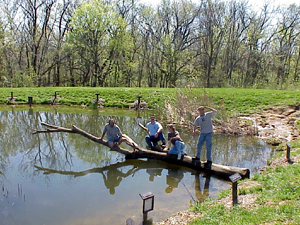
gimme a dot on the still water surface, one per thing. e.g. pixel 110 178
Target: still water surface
pixel 65 179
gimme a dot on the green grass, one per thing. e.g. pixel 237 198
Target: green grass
pixel 277 201
pixel 113 97
pixel 234 100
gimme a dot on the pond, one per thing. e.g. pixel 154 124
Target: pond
pixel 61 178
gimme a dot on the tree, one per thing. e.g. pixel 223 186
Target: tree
pixel 168 33
pixel 211 31
pixel 286 37
pixel 256 42
pixel 37 15
pixel 237 23
pixel 98 37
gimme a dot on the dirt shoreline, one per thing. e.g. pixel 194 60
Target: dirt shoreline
pixel 275 125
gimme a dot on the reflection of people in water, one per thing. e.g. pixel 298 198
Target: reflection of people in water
pixel 114 177
pixel 173 178
pixel 153 172
pixel 201 196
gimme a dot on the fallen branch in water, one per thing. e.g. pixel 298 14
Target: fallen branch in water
pixel 138 152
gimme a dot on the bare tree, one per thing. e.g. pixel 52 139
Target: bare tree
pixel 212 30
pixel 287 35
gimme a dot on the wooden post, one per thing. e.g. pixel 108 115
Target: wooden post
pixel 139 102
pixel 288 152
pixel 11 96
pixel 30 101
pixel 145 217
pixel 53 100
pixel 97 98
pixel 234 193
pixel 234 178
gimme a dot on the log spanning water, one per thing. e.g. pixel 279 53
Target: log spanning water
pixel 137 152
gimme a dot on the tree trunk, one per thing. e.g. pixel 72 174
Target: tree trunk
pixel 137 152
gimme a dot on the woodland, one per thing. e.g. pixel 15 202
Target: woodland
pixel 94 43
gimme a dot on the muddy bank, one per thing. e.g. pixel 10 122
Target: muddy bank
pixel 275 123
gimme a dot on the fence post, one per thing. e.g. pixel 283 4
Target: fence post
pixel 97 98
pixel 139 102
pixel 30 101
pixel 288 152
pixel 234 178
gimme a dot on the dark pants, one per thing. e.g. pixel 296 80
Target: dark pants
pixel 152 141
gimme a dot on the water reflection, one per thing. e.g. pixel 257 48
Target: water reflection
pixel 175 175
pixel 201 193
pixel 69 175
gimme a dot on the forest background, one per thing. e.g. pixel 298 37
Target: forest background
pixel 127 43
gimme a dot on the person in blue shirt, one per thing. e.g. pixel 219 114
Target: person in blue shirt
pixel 155 134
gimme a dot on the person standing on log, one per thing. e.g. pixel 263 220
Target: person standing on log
pixel 175 141
pixel 204 122
pixel 114 134
pixel 155 133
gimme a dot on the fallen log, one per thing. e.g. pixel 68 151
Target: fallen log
pixel 138 152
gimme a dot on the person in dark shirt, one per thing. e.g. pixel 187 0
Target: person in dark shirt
pixel 176 146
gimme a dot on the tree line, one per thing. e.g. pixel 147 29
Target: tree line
pixel 211 43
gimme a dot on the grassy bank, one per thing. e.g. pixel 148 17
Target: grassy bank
pixel 273 197
pixel 110 97
pixel 233 100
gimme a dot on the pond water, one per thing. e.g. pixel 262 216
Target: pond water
pixel 61 178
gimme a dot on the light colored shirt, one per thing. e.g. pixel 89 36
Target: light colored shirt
pixel 205 123
pixel 112 132
pixel 153 128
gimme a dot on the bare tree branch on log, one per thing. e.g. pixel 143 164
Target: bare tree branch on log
pixel 138 152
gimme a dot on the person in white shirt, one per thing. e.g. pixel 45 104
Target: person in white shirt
pixel 155 133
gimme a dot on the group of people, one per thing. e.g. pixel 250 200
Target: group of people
pixel 176 145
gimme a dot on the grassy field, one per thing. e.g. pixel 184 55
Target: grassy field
pixel 233 100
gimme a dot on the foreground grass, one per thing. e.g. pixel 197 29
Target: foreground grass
pixel 277 198
pixel 232 100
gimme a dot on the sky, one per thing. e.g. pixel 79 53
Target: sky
pixel 255 3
